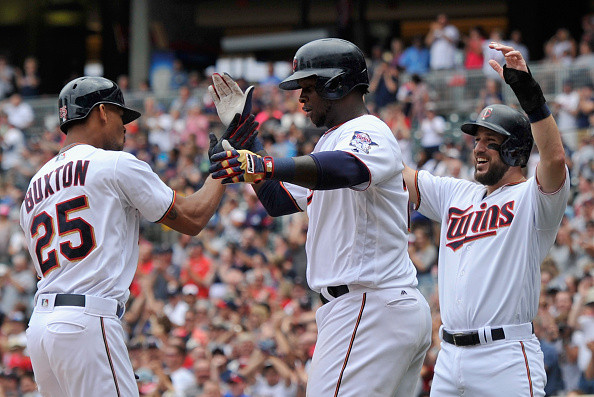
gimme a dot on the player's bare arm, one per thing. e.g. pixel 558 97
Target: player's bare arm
pixel 551 169
pixel 409 179
pixel 190 214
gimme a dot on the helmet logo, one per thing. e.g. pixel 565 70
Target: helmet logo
pixel 294 64
pixel 487 113
pixel 63 111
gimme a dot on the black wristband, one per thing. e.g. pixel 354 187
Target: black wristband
pixel 527 90
pixel 280 168
pixel 540 113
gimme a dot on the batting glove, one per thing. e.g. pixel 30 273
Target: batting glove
pixel 234 166
pixel 238 135
pixel 229 99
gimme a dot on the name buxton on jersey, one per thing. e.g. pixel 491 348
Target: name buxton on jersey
pixel 469 225
pixel 69 174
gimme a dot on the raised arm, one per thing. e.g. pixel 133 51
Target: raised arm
pixel 551 169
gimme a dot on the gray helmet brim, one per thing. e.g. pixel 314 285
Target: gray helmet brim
pixel 471 127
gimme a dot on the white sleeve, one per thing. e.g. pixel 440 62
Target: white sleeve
pixel 142 188
pixel 550 207
pixel 436 193
pixel 301 195
pixel 375 148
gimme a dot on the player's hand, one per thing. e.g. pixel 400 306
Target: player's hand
pixel 513 58
pixel 239 135
pixel 234 166
pixel 229 99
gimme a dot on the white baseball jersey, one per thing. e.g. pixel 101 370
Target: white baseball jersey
pixel 81 216
pixel 491 247
pixel 359 235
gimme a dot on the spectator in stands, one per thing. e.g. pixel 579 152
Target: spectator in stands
pixel 442 40
pixel 490 94
pixel 414 94
pixel 27 385
pixel 415 58
pixel 179 75
pixel 490 54
pixel 400 125
pixel 432 128
pixel 273 379
pixel 423 254
pixel 196 128
pixel 18 285
pixel 20 113
pixel 515 41
pixel 375 59
pixel 271 78
pixel 473 48
pixel 396 49
pixel 28 80
pixel 565 108
pixel 585 106
pixel 7 78
pixel 123 81
pixel 384 84
pixel 560 48
pixel 12 142
pixel 585 58
pixel 184 102
pixel 547 333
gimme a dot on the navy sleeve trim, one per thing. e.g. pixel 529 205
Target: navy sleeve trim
pixel 276 199
pixel 338 169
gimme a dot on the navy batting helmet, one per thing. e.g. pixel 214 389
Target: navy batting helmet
pixel 81 95
pixel 339 66
pixel 512 124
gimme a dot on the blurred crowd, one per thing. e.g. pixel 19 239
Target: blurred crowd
pixel 228 312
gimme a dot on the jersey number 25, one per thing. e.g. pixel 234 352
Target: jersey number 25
pixel 66 226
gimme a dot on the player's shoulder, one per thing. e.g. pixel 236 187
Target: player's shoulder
pixel 370 125
pixel 456 184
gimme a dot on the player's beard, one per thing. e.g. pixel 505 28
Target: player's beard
pixel 115 145
pixel 496 171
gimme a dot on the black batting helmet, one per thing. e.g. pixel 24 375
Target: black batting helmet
pixel 511 123
pixel 81 95
pixel 339 66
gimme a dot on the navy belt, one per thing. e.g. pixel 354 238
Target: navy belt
pixel 336 291
pixel 76 300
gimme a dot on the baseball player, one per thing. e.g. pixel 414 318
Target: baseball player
pixel 374 325
pixel 81 217
pixel 494 236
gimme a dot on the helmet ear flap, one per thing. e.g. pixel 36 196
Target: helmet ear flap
pixel 333 88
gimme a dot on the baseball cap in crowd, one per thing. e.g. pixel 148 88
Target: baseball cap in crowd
pixel 4 209
pixel 190 289
pixel 8 374
pixel 235 378
pixel 16 342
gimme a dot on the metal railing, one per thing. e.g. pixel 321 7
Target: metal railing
pixel 455 92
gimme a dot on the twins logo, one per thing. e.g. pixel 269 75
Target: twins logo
pixel 468 225
pixel 63 113
pixel 487 113
pixel 362 143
